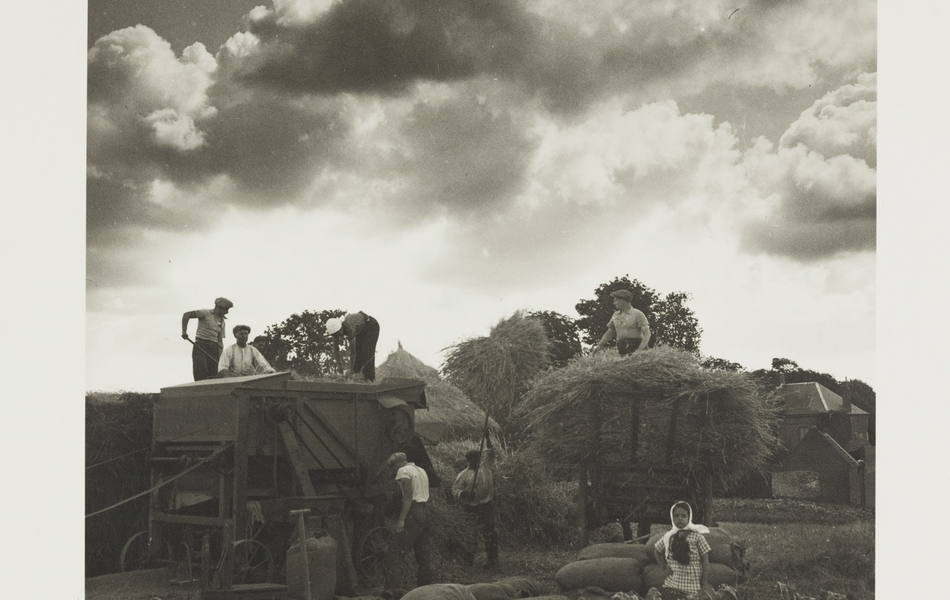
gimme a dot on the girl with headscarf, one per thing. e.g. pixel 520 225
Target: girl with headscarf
pixel 684 553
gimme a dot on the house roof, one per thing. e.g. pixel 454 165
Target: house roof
pixel 812 397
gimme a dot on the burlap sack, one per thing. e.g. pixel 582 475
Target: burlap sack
pixel 610 574
pixel 637 551
pixel 440 591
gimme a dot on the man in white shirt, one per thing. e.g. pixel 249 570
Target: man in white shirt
pixel 474 488
pixel 628 325
pixel 414 527
pixel 241 358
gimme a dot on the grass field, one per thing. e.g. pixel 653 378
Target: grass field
pixel 810 546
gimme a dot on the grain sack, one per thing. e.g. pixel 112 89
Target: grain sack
pixel 440 591
pixel 520 587
pixel 491 591
pixel 720 546
pixel 611 574
pixel 616 550
pixel 321 563
pixel 655 575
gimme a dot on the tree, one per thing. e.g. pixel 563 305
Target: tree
pixel 672 323
pixel 720 364
pixel 784 365
pixel 301 343
pixel 562 331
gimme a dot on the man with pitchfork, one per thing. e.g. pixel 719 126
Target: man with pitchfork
pixel 209 338
pixel 474 487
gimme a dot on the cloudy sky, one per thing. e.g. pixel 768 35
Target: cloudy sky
pixel 440 164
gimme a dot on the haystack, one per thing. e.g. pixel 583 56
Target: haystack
pixel 496 370
pixel 459 417
pixel 401 363
pixel 723 426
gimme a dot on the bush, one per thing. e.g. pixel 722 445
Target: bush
pixel 118 449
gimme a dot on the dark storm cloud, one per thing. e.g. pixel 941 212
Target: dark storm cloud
pixel 382 46
pixel 154 117
pixel 466 158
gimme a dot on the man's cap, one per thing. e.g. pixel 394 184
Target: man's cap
pixel 396 457
pixel 623 295
pixel 471 455
pixel 334 325
pixel 240 327
pixel 223 302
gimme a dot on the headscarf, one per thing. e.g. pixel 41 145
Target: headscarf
pixel 689 526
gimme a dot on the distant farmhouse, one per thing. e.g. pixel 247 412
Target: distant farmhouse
pixel 826 453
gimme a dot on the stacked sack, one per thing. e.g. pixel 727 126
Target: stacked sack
pixel 726 557
pixel 610 567
pixel 632 567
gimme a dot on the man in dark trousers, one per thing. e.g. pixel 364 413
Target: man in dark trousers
pixel 362 331
pixel 209 337
pixel 414 528
pixel 475 489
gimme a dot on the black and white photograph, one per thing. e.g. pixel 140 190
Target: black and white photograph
pixel 483 299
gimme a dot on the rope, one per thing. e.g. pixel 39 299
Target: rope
pixel 165 482
pixel 115 458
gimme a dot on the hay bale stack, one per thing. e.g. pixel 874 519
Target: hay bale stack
pixel 496 370
pixel 724 421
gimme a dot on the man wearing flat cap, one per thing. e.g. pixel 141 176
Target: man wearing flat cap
pixel 209 338
pixel 474 488
pixel 628 325
pixel 241 358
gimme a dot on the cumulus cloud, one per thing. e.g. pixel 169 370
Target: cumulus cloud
pixel 424 110
pixel 820 182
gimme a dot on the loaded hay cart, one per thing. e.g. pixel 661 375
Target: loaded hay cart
pixel 231 458
pixel 643 431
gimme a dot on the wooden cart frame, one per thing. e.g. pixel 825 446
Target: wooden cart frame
pixel 631 491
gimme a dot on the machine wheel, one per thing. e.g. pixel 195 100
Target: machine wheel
pixel 135 556
pixel 253 562
pixel 371 554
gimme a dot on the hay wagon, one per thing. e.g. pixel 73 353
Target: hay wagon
pixel 615 483
pixel 231 458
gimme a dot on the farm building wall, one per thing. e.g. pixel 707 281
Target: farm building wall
pixel 838 473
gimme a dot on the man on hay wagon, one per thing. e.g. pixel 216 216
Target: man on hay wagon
pixel 628 325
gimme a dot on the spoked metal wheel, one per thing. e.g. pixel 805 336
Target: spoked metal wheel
pixel 253 562
pixel 372 553
pixel 135 555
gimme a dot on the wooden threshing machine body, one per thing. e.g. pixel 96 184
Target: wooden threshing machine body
pixel 245 451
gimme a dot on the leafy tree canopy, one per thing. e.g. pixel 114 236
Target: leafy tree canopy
pixel 672 323
pixel 720 364
pixel 301 343
pixel 562 331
